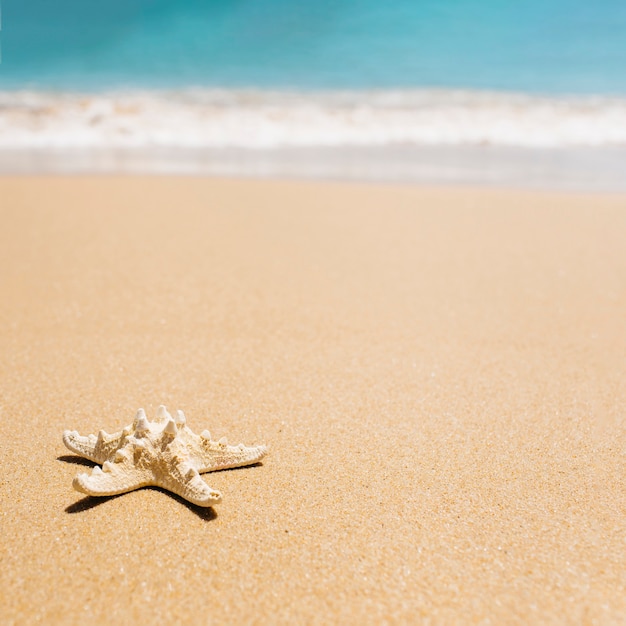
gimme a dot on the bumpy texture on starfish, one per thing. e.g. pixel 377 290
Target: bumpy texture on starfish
pixel 164 453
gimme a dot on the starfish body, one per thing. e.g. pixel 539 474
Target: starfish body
pixel 164 453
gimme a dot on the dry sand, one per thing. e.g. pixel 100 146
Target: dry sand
pixel 440 374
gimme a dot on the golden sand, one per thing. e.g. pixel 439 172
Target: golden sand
pixel 440 375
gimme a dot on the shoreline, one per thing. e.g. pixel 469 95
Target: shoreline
pixel 596 170
pixel 423 136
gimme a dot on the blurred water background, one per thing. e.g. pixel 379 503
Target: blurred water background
pixel 442 90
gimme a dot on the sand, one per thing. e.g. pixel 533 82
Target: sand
pixel 440 375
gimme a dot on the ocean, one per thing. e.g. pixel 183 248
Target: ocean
pixel 275 74
pixel 535 46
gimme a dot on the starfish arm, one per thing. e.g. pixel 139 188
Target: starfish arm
pixel 184 480
pixel 82 446
pixel 210 456
pixel 97 449
pixel 112 480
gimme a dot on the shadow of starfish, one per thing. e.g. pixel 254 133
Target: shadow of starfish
pixel 207 514
pixel 76 460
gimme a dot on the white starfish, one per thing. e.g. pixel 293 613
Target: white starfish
pixel 164 453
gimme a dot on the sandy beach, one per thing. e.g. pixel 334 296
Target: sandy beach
pixel 440 374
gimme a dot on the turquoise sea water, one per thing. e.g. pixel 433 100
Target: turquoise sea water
pixel 472 90
pixel 534 46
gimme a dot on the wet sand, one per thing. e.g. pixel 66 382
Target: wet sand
pixel 440 375
pixel 572 169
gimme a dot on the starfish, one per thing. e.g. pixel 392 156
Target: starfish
pixel 164 453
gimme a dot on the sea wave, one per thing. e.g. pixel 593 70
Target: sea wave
pixel 211 118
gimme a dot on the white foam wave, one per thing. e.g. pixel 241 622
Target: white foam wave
pixel 263 119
